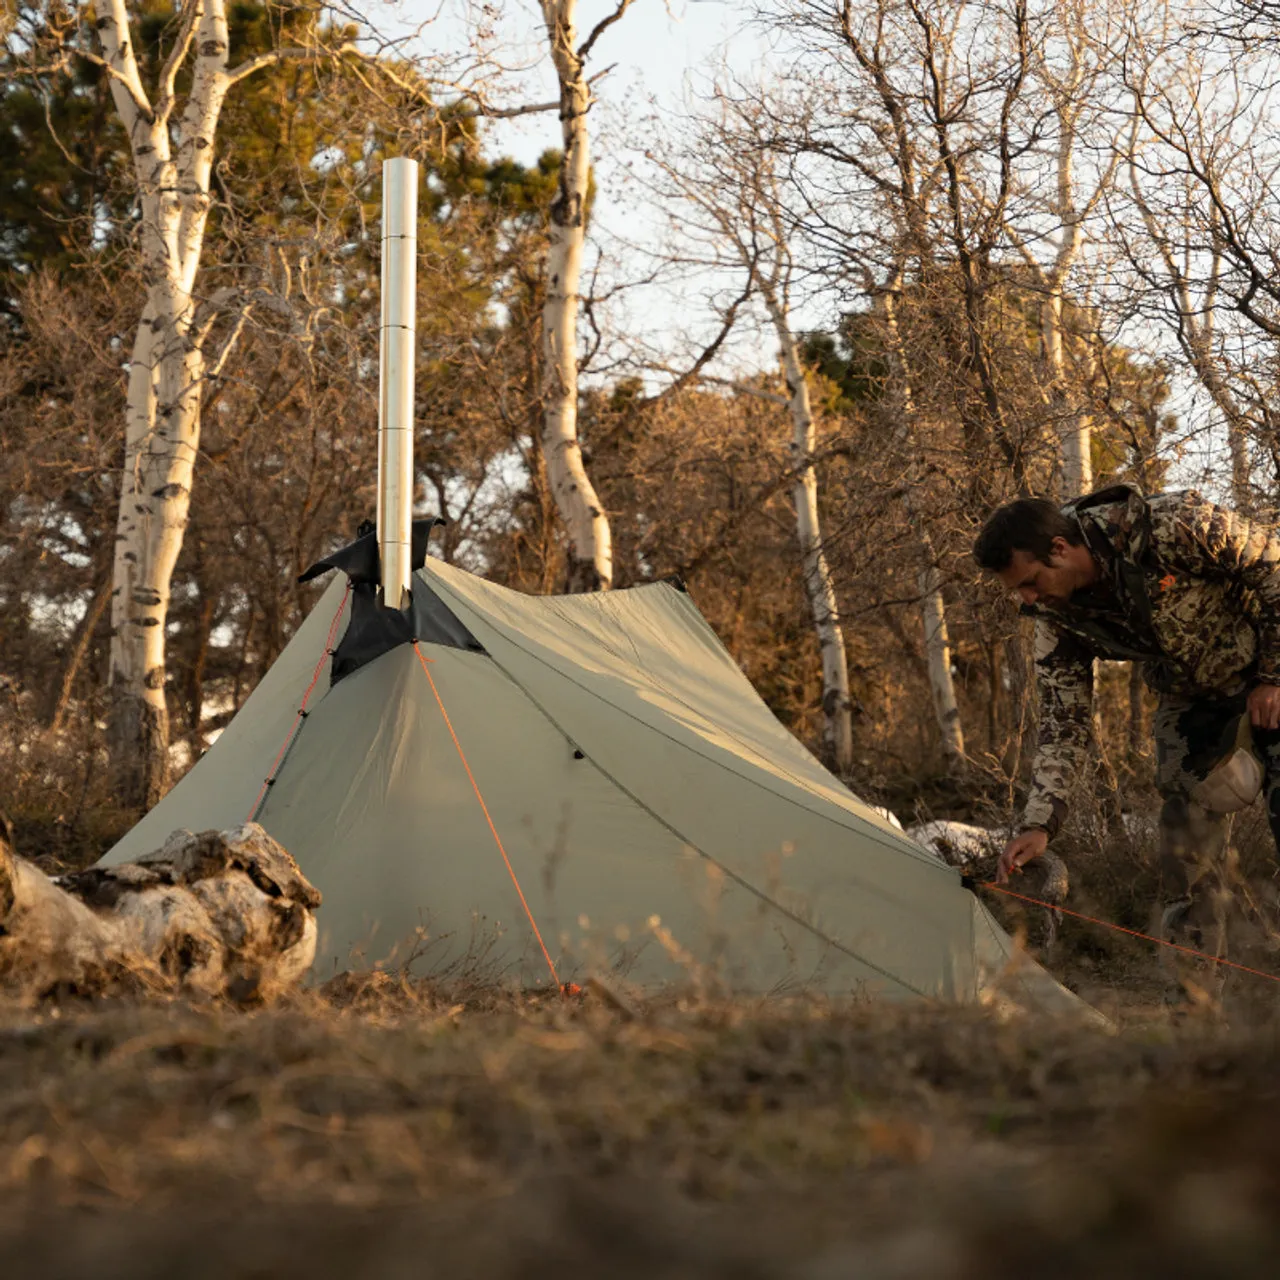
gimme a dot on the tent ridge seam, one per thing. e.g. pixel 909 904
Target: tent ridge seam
pixel 865 828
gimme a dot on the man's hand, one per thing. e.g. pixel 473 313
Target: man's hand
pixel 1022 849
pixel 1264 706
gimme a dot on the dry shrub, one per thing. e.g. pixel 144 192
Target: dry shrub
pixel 54 788
pixel 749 1138
pixel 1115 876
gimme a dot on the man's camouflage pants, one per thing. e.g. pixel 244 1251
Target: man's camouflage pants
pixel 1197 865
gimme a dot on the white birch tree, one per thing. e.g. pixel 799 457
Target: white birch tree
pixel 172 135
pixel 590 540
pixel 168 366
pixel 726 178
pixel 819 587
pixel 1070 67
pixel 861 126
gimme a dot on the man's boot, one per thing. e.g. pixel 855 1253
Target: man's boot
pixel 1195 922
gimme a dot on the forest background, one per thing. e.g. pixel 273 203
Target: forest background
pixel 884 264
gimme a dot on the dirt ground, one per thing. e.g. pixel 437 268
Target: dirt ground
pixel 384 1131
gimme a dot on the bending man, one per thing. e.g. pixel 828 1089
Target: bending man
pixel 1192 591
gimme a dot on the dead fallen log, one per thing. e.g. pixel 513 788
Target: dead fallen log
pixel 219 913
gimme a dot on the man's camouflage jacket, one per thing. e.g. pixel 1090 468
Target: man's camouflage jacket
pixel 1188 588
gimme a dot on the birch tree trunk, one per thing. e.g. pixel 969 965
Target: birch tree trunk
pixel 1069 65
pixel 937 641
pixel 736 188
pixel 937 647
pixel 590 539
pixel 837 706
pixel 1073 424
pixel 167 368
pixel 1234 419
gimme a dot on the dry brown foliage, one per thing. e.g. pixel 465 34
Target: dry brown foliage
pixel 512 1135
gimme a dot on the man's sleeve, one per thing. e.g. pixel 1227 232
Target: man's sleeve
pixel 1064 685
pixel 1215 542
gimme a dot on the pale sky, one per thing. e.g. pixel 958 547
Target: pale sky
pixel 657 50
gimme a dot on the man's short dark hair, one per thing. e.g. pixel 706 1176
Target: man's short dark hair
pixel 1028 524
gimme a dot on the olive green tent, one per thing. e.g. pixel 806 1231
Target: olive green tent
pixel 592 766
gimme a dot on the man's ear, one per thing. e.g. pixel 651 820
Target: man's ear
pixel 1058 548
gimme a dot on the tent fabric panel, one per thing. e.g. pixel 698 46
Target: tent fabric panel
pixel 848 881
pixel 1006 972
pixel 376 793
pixel 695 832
pixel 221 788
pixel 649 652
pixel 901 916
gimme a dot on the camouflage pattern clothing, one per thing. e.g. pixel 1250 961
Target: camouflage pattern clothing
pixel 1198 867
pixel 1189 589
pixel 1192 591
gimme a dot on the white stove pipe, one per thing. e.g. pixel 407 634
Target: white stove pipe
pixel 397 348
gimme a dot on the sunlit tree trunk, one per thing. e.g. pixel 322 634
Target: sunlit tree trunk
pixel 171 166
pixel 1074 427
pixel 837 708
pixel 937 641
pixel 1066 85
pixel 1073 423
pixel 590 539
pixel 166 371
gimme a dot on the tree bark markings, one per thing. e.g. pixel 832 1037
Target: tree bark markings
pixel 167 367
pixel 837 705
pixel 590 538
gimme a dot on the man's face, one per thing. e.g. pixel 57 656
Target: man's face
pixel 1035 582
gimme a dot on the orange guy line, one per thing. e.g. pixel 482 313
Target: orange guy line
pixel 497 839
pixel 302 709
pixel 1119 928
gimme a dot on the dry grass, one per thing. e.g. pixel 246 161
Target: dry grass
pixel 425 1132
pixel 385 1129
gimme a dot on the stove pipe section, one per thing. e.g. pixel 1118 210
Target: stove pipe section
pixel 395 377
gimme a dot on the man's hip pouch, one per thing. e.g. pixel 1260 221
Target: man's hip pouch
pixel 1233 779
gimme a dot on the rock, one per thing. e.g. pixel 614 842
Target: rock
pixel 957 843
pixel 218 913
pixel 975 850
pixel 887 814
pixel 45 935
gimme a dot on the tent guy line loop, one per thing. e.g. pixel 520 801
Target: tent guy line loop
pixel 302 713
pixel 497 839
pixel 970 883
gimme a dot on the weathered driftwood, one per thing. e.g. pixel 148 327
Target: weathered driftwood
pixel 219 913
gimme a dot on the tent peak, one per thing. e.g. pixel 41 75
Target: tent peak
pixel 359 559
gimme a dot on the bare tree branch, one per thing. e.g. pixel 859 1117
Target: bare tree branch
pixel 584 49
pixel 177 56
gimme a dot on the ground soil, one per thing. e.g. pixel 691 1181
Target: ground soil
pixel 383 1130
